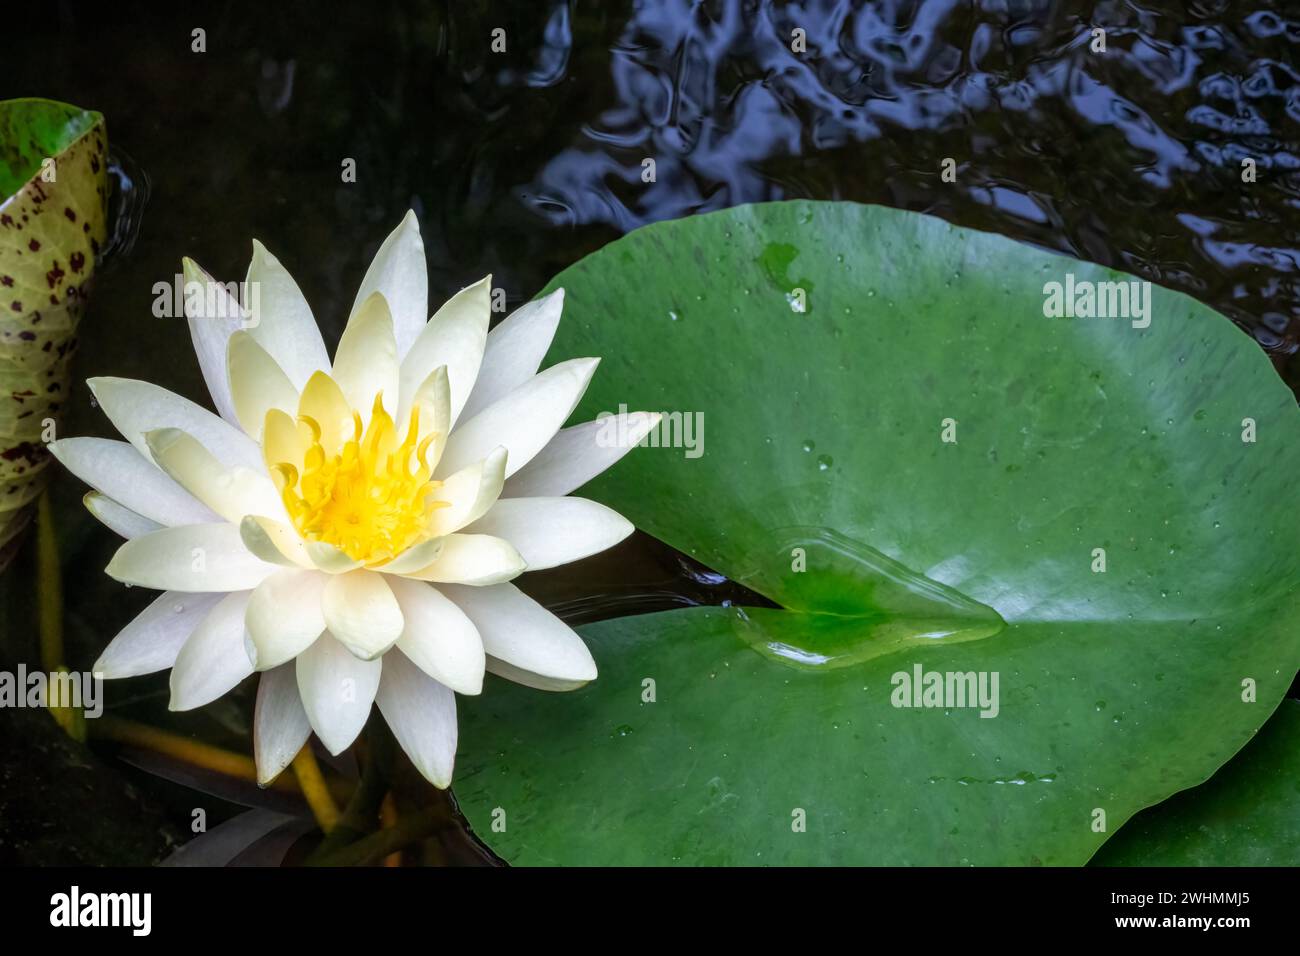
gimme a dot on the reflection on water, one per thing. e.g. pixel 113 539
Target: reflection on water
pixel 519 162
pixel 1132 158
pixel 129 196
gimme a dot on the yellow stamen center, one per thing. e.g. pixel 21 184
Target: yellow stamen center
pixel 373 498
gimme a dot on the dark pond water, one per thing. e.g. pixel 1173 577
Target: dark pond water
pixel 519 163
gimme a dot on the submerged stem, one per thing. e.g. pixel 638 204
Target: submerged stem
pixel 358 817
pixel 382 843
pixel 49 609
pixel 314 789
pixel 49 586
pixel 184 749
pixel 388 820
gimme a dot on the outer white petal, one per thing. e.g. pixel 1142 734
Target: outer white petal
pixel 438 637
pixel 281 320
pixel 515 350
pixel 553 531
pixel 274 542
pixel 215 657
pixel 193 558
pixel 518 631
pixel 454 337
pixel 469 493
pixel 365 364
pixel 153 639
pixel 230 492
pixel 578 454
pixel 213 316
pixel 362 613
pixel 528 679
pixel 398 271
pixel 257 383
pixel 477 559
pixel 284 616
pixel 119 471
pixel 337 690
pixel 116 517
pixel 280 724
pixel 422 715
pixel 524 421
pixel 136 408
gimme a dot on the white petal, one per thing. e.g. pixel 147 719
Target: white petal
pixel 366 362
pixel 578 454
pixel 477 559
pixel 362 613
pixel 284 616
pixel 118 518
pixel 398 271
pixel 215 657
pixel 337 690
pixel 518 631
pixel 153 639
pixel 469 493
pixel 213 316
pixel 193 558
pixel 257 384
pixel 528 679
pixel 523 421
pixel 280 725
pixel 230 492
pixel 454 337
pixel 422 715
pixel 438 637
pixel 119 471
pixel 274 542
pixel 281 320
pixel 515 350
pixel 413 558
pixel 136 408
pixel 553 531
pixel 279 543
pixel 325 557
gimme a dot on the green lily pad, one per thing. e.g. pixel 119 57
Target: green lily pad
pixel 925 472
pixel 1247 814
pixel 54 173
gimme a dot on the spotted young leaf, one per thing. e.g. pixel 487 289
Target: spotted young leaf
pixel 53 173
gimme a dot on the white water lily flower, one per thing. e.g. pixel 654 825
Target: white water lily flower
pixel 349 529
